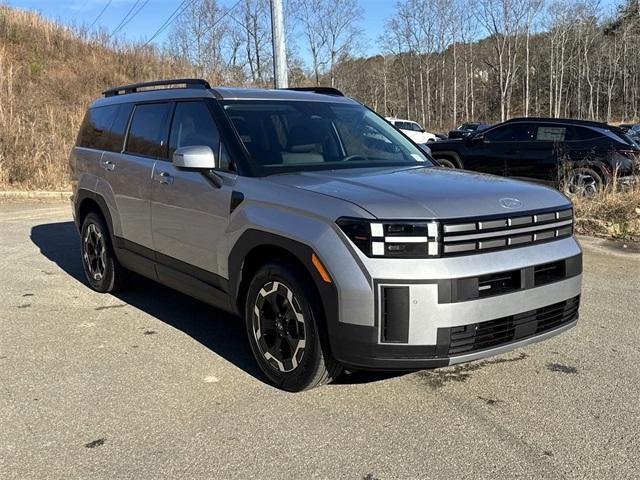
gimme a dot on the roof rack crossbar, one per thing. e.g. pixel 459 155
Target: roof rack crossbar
pixel 320 90
pixel 134 87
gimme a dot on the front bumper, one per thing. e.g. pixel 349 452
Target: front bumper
pixel 449 318
pixel 460 344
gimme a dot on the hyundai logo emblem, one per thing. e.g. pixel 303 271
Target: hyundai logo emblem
pixel 510 203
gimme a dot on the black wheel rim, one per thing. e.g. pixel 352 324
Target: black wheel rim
pixel 94 252
pixel 279 327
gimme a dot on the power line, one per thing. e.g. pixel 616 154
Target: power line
pixel 125 21
pixel 175 14
pixel 172 18
pixel 207 30
pixel 115 30
pixel 100 14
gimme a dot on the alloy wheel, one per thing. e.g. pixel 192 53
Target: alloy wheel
pixel 94 252
pixel 582 184
pixel 279 326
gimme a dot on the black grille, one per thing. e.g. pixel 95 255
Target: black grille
pixel 480 336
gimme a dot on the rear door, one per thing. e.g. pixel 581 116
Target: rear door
pixel 539 151
pixel 189 213
pixel 132 170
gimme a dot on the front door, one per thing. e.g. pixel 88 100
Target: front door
pixel 189 212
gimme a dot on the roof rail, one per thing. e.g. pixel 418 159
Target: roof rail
pixel 574 121
pixel 320 90
pixel 134 87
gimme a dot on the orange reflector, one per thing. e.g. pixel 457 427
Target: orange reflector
pixel 320 267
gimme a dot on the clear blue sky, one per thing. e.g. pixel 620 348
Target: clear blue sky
pixel 154 14
pixel 157 11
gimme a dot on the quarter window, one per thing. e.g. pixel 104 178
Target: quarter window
pixel 94 132
pixel 148 130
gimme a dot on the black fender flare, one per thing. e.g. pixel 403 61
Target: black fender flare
pixel 253 238
pixel 83 194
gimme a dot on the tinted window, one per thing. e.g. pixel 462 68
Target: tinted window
pixel 148 129
pixel 548 133
pixel 119 128
pixel 511 133
pixel 94 132
pixel 193 125
pixel 581 134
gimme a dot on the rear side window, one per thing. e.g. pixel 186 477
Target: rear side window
pixel 148 130
pixel 95 129
pixel 193 125
pixel 551 134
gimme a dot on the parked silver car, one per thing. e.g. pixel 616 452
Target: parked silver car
pixel 332 234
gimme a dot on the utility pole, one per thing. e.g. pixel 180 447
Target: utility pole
pixel 279 51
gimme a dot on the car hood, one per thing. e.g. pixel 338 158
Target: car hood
pixel 410 193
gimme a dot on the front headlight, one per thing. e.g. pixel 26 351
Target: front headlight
pixel 395 239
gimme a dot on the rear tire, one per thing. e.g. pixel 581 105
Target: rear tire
pixel 582 182
pixel 101 267
pixel 283 321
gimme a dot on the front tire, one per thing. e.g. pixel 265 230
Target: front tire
pixel 101 267
pixel 282 317
pixel 445 162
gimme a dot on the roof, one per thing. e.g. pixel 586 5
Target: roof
pixel 197 88
pixel 571 121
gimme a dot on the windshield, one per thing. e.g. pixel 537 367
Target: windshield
pixel 286 136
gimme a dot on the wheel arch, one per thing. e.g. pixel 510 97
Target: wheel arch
pixel 88 201
pixel 254 248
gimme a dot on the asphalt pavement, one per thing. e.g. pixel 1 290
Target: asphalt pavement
pixel 153 384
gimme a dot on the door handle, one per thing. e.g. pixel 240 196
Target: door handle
pixel 107 165
pixel 164 178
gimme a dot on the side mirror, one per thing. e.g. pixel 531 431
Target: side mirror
pixel 197 156
pixel 478 138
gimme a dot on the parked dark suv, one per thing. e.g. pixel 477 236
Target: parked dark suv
pixel 577 156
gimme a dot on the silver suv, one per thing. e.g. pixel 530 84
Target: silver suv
pixel 329 231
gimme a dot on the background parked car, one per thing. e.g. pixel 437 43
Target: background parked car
pixel 633 130
pixel 467 129
pixel 577 156
pixel 413 130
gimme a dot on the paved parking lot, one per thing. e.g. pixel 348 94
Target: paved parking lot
pixel 153 384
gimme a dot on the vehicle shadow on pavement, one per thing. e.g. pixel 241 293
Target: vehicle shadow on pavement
pixel 218 331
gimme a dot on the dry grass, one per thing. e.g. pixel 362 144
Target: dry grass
pixel 610 213
pixel 48 75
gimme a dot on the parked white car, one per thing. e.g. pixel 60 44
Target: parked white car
pixel 413 130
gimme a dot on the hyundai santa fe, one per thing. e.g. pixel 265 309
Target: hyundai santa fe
pixel 331 234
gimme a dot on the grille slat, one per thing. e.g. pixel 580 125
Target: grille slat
pixel 483 335
pixel 507 232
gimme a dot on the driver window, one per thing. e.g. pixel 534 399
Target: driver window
pixel 193 125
